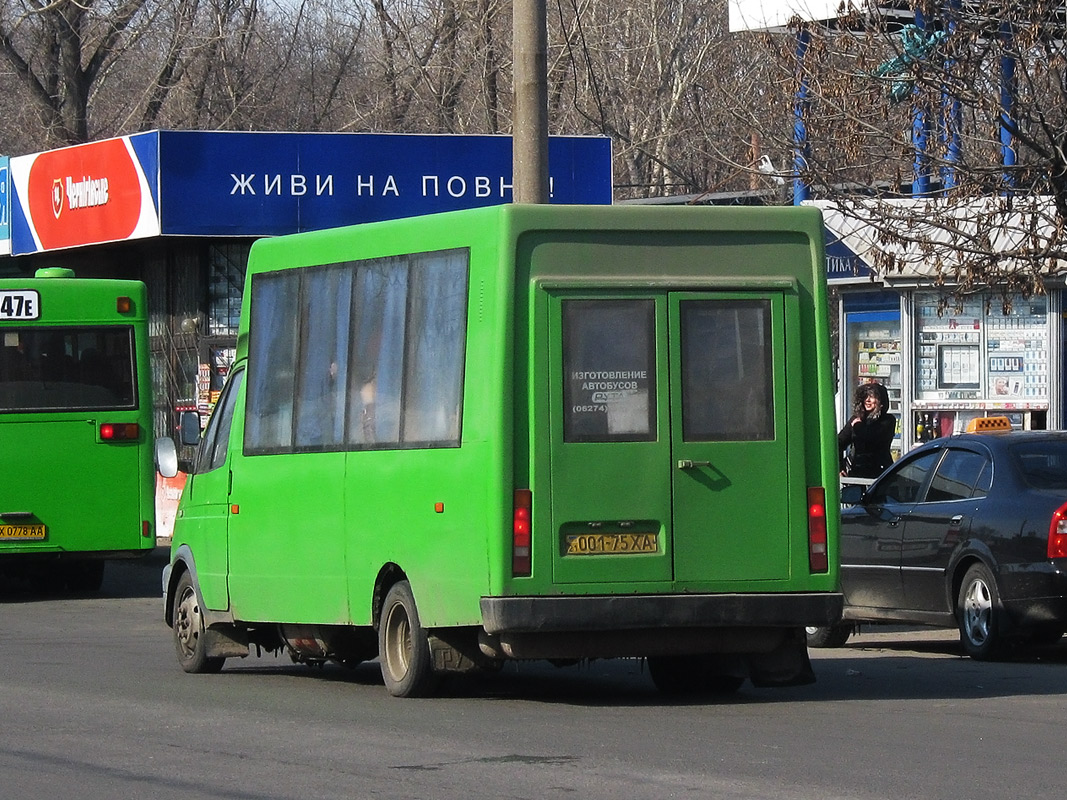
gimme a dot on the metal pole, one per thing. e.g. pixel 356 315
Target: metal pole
pixel 530 124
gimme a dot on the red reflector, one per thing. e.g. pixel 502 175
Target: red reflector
pixel 818 556
pixel 146 528
pixel 1057 533
pixel 123 305
pixel 119 431
pixel 520 534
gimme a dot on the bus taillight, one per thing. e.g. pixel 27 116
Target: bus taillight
pixel 818 559
pixel 520 534
pixel 123 305
pixel 119 431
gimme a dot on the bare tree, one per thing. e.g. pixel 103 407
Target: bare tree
pixel 945 141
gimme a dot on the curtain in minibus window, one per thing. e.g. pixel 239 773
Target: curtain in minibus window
pixel 377 357
pixel 322 374
pixel 437 325
pixel 272 362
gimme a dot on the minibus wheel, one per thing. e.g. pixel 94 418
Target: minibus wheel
pixel 403 647
pixel 189 643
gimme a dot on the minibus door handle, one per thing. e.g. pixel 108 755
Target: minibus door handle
pixel 685 463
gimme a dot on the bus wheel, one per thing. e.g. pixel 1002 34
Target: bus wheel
pixel 189 630
pixel 692 675
pixel 403 648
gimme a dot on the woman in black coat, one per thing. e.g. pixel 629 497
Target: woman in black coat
pixel 870 431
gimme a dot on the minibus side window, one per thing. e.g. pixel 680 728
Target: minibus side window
pixel 216 441
pixel 609 385
pixel 377 353
pixel 433 372
pixel 322 364
pixel 272 362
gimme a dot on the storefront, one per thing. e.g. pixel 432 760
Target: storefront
pixel 944 361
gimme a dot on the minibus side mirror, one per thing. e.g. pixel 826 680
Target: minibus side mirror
pixel 166 457
pixel 189 428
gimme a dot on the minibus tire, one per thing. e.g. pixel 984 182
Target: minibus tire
pixel 403 647
pixel 188 626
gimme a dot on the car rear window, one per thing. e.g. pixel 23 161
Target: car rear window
pixel 1043 464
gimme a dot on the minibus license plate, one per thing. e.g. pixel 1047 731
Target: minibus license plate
pixel 22 532
pixel 597 544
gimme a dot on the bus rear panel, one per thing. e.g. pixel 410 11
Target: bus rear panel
pixel 75 426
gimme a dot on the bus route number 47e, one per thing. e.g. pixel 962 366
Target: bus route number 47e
pixel 19 305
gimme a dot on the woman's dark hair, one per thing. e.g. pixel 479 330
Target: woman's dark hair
pixel 875 390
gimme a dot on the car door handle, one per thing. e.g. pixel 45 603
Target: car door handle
pixel 956 520
pixel 685 463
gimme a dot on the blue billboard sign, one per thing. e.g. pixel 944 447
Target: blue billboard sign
pixel 274 183
pixel 199 183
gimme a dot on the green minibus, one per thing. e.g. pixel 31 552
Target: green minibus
pixel 77 480
pixel 522 432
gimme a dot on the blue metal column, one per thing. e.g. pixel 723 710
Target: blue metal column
pixel 920 135
pixel 801 148
pixel 1007 109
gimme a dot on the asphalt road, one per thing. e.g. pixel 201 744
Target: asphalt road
pixel 93 705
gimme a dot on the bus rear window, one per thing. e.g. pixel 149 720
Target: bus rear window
pixel 66 369
pixel 609 392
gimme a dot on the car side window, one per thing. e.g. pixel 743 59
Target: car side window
pixel 956 476
pixel 905 482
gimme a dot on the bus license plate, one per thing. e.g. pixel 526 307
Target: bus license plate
pixel 22 532
pixel 598 544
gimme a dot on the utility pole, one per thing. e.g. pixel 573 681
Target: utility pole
pixel 529 150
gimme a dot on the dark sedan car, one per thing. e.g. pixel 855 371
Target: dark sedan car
pixel 968 531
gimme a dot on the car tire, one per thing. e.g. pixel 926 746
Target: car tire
pixel 828 635
pixel 980 614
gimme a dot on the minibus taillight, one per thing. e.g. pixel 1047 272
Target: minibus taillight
pixel 1057 533
pixel 123 305
pixel 817 554
pixel 119 431
pixel 520 533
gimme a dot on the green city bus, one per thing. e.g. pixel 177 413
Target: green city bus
pixel 522 432
pixel 78 479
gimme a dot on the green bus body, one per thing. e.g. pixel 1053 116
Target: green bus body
pixel 75 425
pixel 593 432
